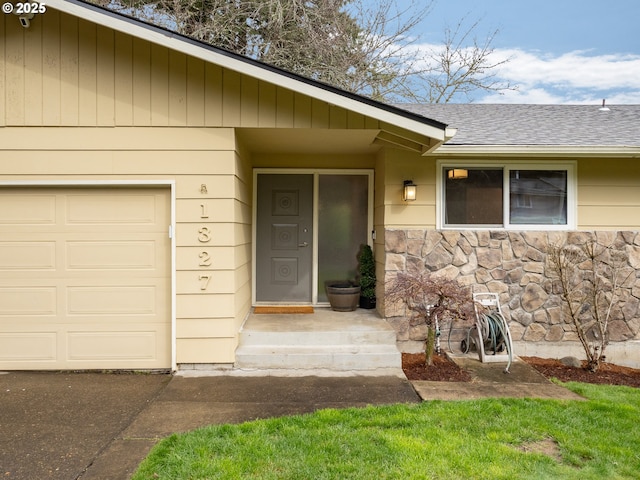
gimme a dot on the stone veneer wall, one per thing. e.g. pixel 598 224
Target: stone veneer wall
pixel 512 264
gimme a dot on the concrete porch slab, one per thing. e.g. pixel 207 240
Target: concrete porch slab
pixel 325 343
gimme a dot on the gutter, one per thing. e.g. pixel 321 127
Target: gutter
pixel 538 151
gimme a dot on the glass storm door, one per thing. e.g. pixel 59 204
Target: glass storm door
pixel 343 219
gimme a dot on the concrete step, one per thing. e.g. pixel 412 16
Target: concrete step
pixel 319 338
pixel 328 357
pixel 359 342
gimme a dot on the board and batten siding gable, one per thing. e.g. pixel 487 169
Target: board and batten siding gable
pixel 66 71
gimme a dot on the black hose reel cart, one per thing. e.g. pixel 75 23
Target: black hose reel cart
pixel 490 335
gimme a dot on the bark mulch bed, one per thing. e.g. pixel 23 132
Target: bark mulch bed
pixel 444 370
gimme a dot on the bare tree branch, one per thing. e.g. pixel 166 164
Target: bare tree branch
pixel 359 46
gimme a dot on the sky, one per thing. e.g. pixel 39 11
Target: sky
pixel 559 51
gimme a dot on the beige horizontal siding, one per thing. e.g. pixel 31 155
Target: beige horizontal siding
pixel 611 195
pixel 206 350
pixel 413 216
pixel 608 194
pixel 126 139
pixel 400 165
pixel 205 328
pixel 68 71
pixel 609 218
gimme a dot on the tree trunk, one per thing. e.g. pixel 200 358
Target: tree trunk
pixel 430 345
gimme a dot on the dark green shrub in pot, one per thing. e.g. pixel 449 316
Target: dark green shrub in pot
pixel 367 277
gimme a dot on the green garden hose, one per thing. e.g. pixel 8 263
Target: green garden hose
pixel 494 334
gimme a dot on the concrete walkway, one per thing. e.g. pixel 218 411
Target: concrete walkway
pixel 490 381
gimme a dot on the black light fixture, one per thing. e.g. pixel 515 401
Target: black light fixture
pixel 409 191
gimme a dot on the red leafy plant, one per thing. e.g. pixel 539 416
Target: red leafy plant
pixel 427 297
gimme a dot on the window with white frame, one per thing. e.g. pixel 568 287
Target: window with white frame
pixel 515 196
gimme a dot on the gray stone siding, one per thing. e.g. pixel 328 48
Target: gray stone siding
pixel 512 264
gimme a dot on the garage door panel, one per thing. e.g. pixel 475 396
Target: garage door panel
pixel 20 301
pixel 27 209
pixel 21 347
pixel 107 255
pixel 111 209
pixel 120 300
pixel 27 256
pixel 112 345
pixel 85 278
pixel 92 208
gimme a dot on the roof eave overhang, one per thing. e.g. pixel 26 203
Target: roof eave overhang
pixel 331 95
pixel 546 151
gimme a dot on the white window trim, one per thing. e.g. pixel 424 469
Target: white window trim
pixel 572 193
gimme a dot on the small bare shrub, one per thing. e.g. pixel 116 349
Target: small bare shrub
pixel 589 277
pixel 427 297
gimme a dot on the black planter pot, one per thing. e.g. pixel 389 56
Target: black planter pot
pixel 368 303
pixel 343 296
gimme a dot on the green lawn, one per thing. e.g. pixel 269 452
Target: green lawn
pixel 481 439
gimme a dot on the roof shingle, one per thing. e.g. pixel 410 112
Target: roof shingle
pixel 537 125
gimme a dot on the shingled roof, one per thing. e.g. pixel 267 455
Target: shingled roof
pixel 537 125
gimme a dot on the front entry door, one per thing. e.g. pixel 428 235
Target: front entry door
pixel 284 235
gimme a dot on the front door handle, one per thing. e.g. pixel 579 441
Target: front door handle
pixel 303 244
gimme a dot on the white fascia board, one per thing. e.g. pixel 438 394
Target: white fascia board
pixel 175 42
pixel 539 151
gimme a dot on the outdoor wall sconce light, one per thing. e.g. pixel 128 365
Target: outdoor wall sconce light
pixel 457 173
pixel 409 191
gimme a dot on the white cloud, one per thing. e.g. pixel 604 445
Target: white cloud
pixel 573 77
pixel 575 69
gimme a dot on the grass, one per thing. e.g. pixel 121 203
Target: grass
pixel 493 438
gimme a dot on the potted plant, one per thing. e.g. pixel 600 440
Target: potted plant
pixel 343 295
pixel 367 277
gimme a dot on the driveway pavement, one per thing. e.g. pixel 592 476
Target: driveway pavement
pixel 100 426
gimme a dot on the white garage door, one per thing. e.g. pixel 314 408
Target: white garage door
pixel 84 278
